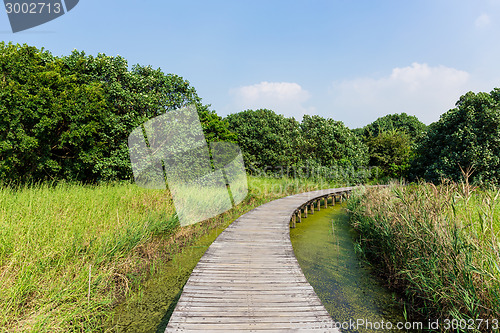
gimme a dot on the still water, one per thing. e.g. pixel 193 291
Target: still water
pixel 324 247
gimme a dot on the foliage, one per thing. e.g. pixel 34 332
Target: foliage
pixel 394 122
pixel 330 142
pixel 316 146
pixel 69 117
pixel 392 141
pixel 466 137
pixel 266 138
pixel 391 151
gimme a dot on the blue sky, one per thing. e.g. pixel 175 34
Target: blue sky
pixel 352 61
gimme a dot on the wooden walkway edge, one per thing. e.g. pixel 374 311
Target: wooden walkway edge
pixel 249 279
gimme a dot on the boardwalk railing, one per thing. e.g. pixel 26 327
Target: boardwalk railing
pixel 249 279
pixel 315 204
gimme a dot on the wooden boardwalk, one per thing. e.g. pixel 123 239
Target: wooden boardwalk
pixel 249 279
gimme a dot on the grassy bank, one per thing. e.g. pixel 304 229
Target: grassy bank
pixel 69 254
pixel 437 244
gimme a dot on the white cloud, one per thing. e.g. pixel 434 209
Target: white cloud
pixel 286 98
pixel 483 20
pixel 419 90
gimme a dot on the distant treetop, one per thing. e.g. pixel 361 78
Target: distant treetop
pixel 400 122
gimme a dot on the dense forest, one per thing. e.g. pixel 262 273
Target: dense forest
pixel 68 118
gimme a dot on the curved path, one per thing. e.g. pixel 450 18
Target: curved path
pixel 249 279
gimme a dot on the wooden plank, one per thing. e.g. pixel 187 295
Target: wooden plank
pixel 249 279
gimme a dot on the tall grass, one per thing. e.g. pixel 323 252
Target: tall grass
pixel 437 244
pixel 55 239
pixel 69 253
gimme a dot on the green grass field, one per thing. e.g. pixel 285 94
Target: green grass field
pixel 439 245
pixel 70 253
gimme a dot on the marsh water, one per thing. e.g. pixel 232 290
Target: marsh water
pixel 324 246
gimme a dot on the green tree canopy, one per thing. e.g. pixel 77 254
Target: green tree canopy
pixel 391 151
pixel 400 122
pixel 267 139
pixel 467 136
pixel 392 141
pixel 274 141
pixel 69 117
pixel 331 143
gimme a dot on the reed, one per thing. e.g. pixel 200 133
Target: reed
pixel 439 245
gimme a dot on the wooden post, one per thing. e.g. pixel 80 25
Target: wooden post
pixel 319 204
pixel 326 202
pixel 305 211
pixel 293 221
pixel 333 199
pixel 312 207
pixel 299 217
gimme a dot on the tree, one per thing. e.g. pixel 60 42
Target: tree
pixel 314 146
pixel 467 136
pixel 391 151
pixel 70 117
pixel 331 143
pixel 266 138
pixel 393 140
pixel 400 122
